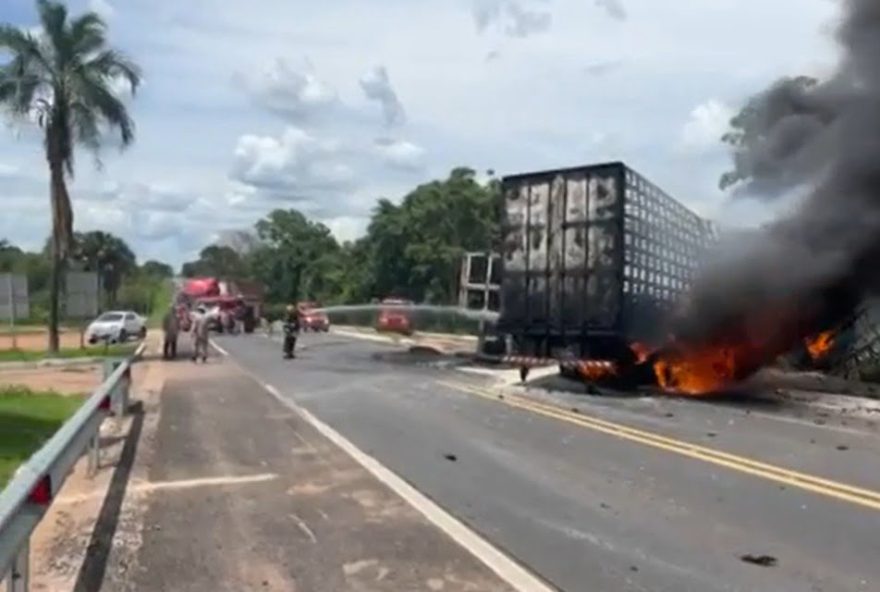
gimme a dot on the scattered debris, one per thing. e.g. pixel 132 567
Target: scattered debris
pixel 762 560
pixel 819 421
pixel 604 506
pixel 669 414
pixel 633 568
pixel 782 488
pixel 450 457
pixel 500 397
pixel 575 410
pixel 842 447
pixel 711 434
pixel 812 440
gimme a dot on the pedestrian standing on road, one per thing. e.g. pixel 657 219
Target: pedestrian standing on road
pixel 171 327
pixel 291 331
pixel 200 324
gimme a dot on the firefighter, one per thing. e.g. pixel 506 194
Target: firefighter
pixel 199 331
pixel 171 327
pixel 291 330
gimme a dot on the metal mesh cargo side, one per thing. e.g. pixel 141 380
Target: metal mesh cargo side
pixel 663 241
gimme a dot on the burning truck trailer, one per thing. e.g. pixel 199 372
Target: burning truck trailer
pixel 594 259
pixel 596 267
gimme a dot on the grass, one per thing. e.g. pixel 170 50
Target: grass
pixel 160 304
pixel 27 420
pixel 96 351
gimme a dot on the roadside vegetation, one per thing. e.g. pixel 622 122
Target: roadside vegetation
pixel 27 420
pixel 64 77
pixel 67 353
pixel 412 249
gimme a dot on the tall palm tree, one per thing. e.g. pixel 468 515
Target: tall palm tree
pixel 62 79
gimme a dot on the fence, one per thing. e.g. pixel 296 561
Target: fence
pixel 31 491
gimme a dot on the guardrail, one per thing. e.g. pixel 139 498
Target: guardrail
pixel 29 494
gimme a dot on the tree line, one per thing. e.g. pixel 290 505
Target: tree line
pixel 124 283
pixel 410 250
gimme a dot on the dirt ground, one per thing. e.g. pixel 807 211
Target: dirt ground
pixel 71 380
pixel 36 341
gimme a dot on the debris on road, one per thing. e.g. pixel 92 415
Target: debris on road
pixel 842 447
pixel 762 560
pixel 450 457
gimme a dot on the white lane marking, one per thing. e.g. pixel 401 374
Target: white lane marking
pixel 151 486
pixel 219 349
pixel 301 524
pixel 205 482
pixel 506 568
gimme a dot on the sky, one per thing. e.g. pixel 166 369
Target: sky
pixel 248 106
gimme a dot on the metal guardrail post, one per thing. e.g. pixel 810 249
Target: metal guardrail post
pixel 27 497
pixel 19 573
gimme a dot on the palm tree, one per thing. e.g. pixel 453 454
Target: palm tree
pixel 106 254
pixel 62 79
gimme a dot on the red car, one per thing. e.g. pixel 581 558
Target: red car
pixel 312 319
pixel 395 319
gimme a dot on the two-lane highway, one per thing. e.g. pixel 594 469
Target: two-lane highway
pixel 629 494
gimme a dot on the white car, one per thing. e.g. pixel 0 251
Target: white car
pixel 116 326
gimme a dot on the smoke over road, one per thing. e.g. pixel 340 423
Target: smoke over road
pixel 825 136
pixel 766 291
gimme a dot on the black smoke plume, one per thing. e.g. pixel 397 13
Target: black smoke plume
pixel 810 269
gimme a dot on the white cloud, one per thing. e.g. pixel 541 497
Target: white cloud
pixel 9 170
pixel 294 165
pixel 512 17
pixel 540 106
pixel 614 8
pixel 290 92
pixel 376 84
pixel 347 228
pixel 153 197
pixel 401 154
pixel 707 123
pixel 103 8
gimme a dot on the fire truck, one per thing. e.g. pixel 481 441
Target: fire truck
pixel 228 301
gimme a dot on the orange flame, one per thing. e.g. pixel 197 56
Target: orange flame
pixel 592 370
pixel 641 351
pixel 818 346
pixel 696 373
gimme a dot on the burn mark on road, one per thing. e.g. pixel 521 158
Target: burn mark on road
pixel 761 560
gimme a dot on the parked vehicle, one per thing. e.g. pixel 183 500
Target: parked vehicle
pixel 592 259
pixel 234 303
pixel 311 318
pixel 395 318
pixel 116 326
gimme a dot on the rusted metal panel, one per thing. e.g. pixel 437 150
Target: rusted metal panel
pixel 594 248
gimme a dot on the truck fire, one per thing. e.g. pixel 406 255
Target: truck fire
pixel 601 271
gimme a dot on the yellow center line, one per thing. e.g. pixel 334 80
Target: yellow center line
pixel 842 491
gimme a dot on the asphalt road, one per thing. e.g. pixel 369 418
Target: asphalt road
pixel 606 494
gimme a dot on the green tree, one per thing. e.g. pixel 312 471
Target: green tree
pixel 62 78
pixel 416 248
pixel 157 269
pixel 216 261
pixel 747 128
pixel 297 258
pixel 106 254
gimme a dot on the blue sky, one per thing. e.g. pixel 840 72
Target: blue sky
pixel 326 107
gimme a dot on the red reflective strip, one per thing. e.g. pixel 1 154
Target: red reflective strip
pixel 41 494
pixel 105 403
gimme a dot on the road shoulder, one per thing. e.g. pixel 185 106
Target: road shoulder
pixel 242 493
